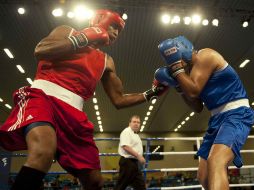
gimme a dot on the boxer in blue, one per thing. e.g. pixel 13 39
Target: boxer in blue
pixel 205 76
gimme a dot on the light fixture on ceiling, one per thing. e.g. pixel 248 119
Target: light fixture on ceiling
pixel 187 20
pixel 245 22
pixel 70 14
pixel 244 63
pixel 29 80
pixel 83 13
pixel 215 22
pixel 8 53
pixel 196 19
pixel 8 106
pixel 176 19
pixel 165 18
pixel 20 68
pixel 21 10
pixel 125 16
pixel 205 22
pixel 57 12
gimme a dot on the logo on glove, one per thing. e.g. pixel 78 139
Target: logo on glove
pixel 170 51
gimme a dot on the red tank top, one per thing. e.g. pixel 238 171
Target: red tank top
pixel 78 73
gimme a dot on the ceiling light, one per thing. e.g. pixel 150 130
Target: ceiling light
pixel 21 10
pixel 94 100
pixel 196 19
pixel 187 20
pixel 8 52
pixel 179 126
pixel 101 130
pixel 97 113
pixel 142 128
pixel 192 113
pixel 187 118
pixel 96 107
pixel 20 68
pixel 183 122
pixel 148 113
pixel 70 14
pixel 205 22
pixel 8 106
pixel 125 16
pixel 146 118
pixel 244 63
pixel 29 81
pixel 176 19
pixel 98 118
pixel 245 24
pixel 57 12
pixel 176 130
pixel 215 22
pixel 144 122
pixel 252 103
pixel 94 93
pixel 1 100
pixel 99 122
pixel 165 19
pixel 150 107
pixel 83 13
pixel 154 101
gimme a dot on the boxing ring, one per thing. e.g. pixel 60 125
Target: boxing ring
pixel 147 154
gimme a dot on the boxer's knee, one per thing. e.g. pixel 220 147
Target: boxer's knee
pixel 41 142
pixel 91 179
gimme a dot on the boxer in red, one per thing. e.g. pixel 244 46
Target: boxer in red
pixel 48 120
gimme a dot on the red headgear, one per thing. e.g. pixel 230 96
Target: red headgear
pixel 104 18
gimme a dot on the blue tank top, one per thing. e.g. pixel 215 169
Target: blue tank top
pixel 222 87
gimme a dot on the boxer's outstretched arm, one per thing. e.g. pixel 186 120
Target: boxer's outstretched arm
pixel 114 88
pixel 55 45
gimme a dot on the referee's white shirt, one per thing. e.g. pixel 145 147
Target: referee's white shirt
pixel 129 138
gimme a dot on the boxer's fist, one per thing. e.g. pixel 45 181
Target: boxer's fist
pixel 157 90
pixel 172 56
pixel 163 76
pixel 96 36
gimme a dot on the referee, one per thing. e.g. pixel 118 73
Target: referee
pixel 131 151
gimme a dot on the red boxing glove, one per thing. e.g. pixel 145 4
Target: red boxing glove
pixel 97 36
pixel 157 90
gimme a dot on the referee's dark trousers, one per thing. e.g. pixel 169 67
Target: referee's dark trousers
pixel 130 175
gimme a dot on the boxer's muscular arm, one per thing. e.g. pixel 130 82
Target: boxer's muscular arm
pixel 194 103
pixel 55 45
pixel 114 88
pixel 206 64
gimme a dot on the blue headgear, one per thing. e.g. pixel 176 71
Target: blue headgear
pixel 185 46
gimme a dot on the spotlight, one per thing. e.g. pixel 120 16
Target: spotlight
pixel 165 19
pixel 215 22
pixel 176 19
pixel 196 19
pixel 21 10
pixel 57 12
pixel 70 14
pixel 245 24
pixel 205 22
pixel 83 13
pixel 125 16
pixel 187 20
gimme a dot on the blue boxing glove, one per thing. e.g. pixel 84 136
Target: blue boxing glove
pixel 163 76
pixel 172 56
